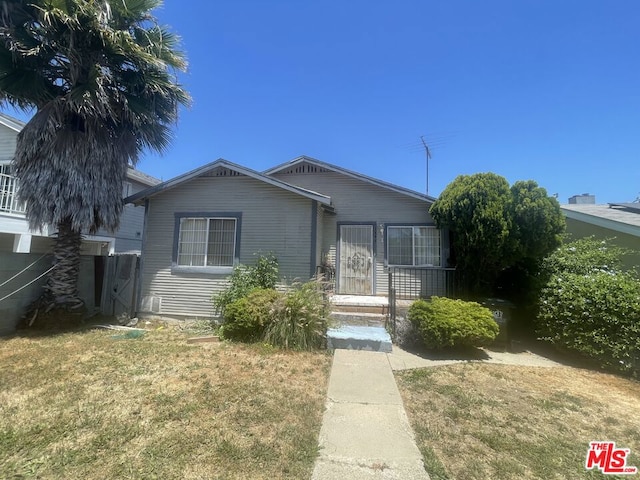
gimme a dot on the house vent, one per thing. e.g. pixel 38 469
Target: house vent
pixel 305 168
pixel 151 304
pixel 223 172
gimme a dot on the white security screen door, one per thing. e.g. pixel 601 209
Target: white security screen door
pixel 356 260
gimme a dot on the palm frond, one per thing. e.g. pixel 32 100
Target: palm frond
pixel 102 78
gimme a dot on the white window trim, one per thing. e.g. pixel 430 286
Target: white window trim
pixel 224 270
pixel 413 245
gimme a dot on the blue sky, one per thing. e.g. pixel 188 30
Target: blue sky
pixel 547 90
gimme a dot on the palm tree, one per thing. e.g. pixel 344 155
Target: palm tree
pixel 100 76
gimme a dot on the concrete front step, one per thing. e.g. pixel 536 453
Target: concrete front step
pixel 360 304
pixel 377 309
pixel 350 337
pixel 358 319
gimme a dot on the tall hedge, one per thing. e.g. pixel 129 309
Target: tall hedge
pixel 590 306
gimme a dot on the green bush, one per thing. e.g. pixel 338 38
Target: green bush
pixel 299 318
pixel 247 318
pixel 244 279
pixel 443 322
pixel 592 308
pixel 584 256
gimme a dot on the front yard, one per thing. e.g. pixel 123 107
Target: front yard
pixel 482 421
pixel 95 405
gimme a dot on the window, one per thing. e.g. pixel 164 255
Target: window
pixel 207 242
pixel 414 246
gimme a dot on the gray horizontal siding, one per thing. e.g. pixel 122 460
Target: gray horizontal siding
pixel 359 201
pixel 8 139
pixel 272 220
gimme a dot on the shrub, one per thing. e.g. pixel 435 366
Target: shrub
pixel 299 318
pixel 596 315
pixel 246 319
pixel 244 279
pixel 584 256
pixel 444 322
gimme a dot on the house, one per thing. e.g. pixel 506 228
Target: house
pixel 15 235
pixel 314 216
pixel 618 221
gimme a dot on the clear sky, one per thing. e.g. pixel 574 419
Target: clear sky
pixel 547 90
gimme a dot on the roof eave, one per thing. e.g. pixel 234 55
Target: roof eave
pixel 350 173
pixel 10 122
pixel 602 222
pixel 140 197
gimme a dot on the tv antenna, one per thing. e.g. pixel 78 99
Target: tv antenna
pixel 427 152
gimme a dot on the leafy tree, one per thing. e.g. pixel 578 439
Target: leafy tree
pixel 100 76
pixel 537 225
pixel 475 210
pixel 500 234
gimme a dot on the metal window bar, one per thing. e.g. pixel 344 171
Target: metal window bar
pixel 9 195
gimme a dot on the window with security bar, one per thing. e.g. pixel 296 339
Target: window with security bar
pixel 207 242
pixel 416 246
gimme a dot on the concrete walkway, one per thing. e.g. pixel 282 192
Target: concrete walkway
pixel 365 431
pixel 403 360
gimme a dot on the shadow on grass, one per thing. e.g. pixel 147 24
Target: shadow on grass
pixel 52 329
pixel 454 353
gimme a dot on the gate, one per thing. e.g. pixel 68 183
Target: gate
pixel 119 287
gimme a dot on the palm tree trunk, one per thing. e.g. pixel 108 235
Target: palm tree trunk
pixel 61 289
pixel 60 303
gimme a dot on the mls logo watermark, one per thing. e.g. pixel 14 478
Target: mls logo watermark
pixel 608 459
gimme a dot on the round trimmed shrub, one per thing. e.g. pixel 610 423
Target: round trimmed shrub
pixel 247 318
pixel 444 322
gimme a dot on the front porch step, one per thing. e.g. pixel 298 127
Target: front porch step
pixel 349 337
pixel 373 309
pixel 359 304
pixel 366 319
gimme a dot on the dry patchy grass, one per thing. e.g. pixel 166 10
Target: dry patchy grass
pixel 480 421
pixel 88 405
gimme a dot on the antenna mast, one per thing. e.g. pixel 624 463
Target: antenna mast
pixel 427 151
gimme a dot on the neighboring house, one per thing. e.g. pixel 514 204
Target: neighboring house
pixel 15 235
pixel 312 215
pixel 615 220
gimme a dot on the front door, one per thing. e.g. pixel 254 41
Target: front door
pixel 356 265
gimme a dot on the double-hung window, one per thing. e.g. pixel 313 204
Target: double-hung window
pixel 207 242
pixel 417 246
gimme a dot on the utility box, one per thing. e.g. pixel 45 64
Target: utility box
pixel 503 315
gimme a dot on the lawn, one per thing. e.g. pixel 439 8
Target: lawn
pixel 481 421
pixel 89 405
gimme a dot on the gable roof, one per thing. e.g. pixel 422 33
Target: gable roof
pixel 10 122
pixel 352 174
pixel 606 216
pixel 139 197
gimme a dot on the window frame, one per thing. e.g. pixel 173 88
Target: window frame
pixel 222 269
pixel 413 226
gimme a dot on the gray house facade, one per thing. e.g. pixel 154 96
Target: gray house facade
pixel 314 216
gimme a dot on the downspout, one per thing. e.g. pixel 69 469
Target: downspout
pixel 314 238
pixel 141 263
